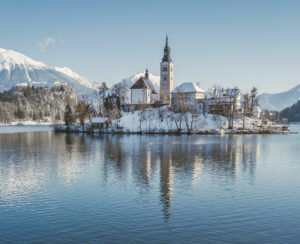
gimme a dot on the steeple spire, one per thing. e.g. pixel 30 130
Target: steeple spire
pixel 167 52
pixel 147 74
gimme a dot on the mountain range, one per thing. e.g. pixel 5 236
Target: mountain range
pixel 279 101
pixel 17 69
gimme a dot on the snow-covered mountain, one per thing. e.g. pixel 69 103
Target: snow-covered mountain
pixel 279 101
pixel 18 69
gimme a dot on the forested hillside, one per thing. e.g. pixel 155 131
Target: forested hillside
pixel 292 114
pixel 36 103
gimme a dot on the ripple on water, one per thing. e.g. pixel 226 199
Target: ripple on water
pixel 152 189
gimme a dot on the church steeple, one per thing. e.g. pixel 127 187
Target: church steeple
pixel 147 74
pixel 167 52
pixel 166 75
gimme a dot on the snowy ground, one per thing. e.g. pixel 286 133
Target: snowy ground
pixel 161 120
pixel 30 122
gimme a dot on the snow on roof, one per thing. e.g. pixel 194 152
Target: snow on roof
pixel 188 87
pixel 143 83
pixel 97 120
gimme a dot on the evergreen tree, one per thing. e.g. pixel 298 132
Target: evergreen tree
pixel 20 113
pixel 69 116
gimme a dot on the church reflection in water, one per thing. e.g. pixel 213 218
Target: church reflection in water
pixel 166 161
pixel 164 164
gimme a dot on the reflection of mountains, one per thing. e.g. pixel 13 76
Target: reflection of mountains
pixel 27 160
pixel 167 163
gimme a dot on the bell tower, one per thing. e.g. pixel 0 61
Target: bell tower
pixel 166 75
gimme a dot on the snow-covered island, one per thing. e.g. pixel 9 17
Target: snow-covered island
pixel 34 93
pixel 163 121
pixel 150 105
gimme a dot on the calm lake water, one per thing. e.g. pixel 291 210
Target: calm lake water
pixel 62 188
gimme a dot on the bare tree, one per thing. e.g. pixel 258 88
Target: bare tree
pixel 245 108
pixel 254 100
pixel 190 124
pixel 84 110
pixel 235 92
pixel 121 90
pixel 142 114
pixel 117 115
pixel 100 97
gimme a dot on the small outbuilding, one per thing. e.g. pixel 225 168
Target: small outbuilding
pixel 100 123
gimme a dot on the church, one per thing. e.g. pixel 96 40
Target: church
pixel 187 95
pixel 143 91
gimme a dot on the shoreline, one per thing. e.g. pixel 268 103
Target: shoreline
pixel 76 129
pixel 80 129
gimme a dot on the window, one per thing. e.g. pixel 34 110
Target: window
pixel 165 69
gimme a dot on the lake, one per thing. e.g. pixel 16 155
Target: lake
pixel 59 188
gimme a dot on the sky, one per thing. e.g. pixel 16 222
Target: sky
pixel 242 43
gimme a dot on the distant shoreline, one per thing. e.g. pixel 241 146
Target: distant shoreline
pixel 80 129
pixel 76 129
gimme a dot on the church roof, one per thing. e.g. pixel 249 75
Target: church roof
pixel 188 87
pixel 143 83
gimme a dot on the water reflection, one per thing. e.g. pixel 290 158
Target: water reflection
pixel 31 161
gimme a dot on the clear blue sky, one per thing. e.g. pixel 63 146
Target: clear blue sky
pixel 242 43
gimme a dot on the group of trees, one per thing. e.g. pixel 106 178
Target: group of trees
pixel 35 103
pixel 182 111
pixel 292 113
pixel 82 111
pixel 249 102
pixel 109 102
pixel 109 106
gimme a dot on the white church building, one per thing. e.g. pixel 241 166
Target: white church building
pixel 143 91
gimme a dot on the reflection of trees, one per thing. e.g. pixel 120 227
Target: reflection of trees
pixel 150 160
pixel 221 159
pixel 113 151
pixel 71 164
pixel 29 159
pixel 143 160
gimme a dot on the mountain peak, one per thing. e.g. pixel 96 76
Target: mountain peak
pixel 279 101
pixel 11 57
pixel 16 68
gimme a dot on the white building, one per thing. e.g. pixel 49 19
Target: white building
pixel 221 101
pixel 143 91
pixel 189 96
